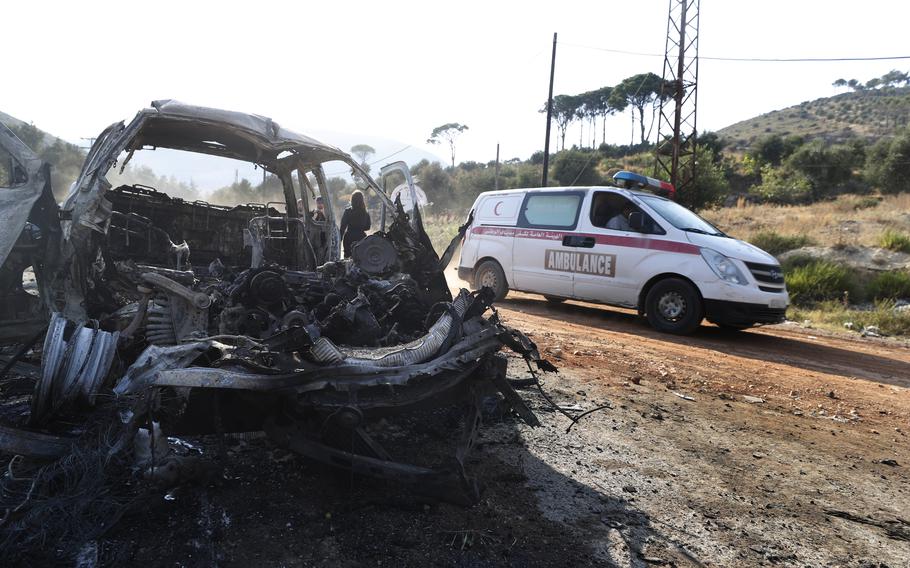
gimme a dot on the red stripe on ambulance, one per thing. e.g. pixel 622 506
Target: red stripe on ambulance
pixel 610 240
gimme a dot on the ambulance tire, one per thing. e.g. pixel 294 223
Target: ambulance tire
pixel 490 274
pixel 674 306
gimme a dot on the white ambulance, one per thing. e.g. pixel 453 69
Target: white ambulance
pixel 622 246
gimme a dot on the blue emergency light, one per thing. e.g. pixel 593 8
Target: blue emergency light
pixel 631 180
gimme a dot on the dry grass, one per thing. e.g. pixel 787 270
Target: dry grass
pixel 850 220
pixel 441 228
pixel 833 316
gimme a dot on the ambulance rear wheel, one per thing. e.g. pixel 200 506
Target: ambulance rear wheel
pixel 490 274
pixel 674 306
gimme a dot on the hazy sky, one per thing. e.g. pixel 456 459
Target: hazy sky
pixel 397 69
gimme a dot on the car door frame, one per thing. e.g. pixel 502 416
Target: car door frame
pixel 17 200
pixel 534 243
pixel 28 198
pixel 629 250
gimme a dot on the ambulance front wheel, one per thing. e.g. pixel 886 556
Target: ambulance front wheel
pixel 490 274
pixel 674 306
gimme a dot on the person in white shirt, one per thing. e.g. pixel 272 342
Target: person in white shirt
pixel 620 221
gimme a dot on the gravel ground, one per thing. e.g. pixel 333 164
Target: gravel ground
pixel 779 446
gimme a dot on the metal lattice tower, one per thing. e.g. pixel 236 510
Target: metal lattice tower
pixel 676 126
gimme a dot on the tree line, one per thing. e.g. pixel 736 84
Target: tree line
pixel 636 92
pixel 792 170
pixel 891 79
pixel 65 158
pixel 775 168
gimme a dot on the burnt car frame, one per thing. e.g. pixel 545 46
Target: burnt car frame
pixel 211 319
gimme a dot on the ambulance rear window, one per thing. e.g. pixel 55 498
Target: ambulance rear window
pixel 551 210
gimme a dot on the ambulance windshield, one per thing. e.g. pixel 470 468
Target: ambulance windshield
pixel 679 216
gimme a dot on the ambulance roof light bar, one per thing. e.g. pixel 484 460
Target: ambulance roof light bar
pixel 631 180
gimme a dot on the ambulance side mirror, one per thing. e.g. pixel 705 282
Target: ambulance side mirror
pixel 637 220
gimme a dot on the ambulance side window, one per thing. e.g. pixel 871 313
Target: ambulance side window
pixel 557 210
pixel 612 211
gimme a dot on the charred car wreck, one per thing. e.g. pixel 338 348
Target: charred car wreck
pixel 195 318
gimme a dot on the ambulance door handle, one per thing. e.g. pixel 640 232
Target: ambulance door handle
pixel 578 241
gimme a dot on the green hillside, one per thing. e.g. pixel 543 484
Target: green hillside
pixel 869 114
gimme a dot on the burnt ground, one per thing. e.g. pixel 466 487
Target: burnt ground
pixel 818 473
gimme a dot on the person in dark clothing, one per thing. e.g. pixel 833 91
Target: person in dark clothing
pixel 318 214
pixel 355 222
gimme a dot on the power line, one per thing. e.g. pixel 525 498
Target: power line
pixel 748 59
pixel 806 59
pixel 374 162
pixel 620 51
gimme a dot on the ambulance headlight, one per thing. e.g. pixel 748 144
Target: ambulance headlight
pixel 724 267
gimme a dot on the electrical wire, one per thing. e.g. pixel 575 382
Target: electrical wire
pixel 374 162
pixel 747 59
pixel 804 59
pixel 703 57
pixel 574 419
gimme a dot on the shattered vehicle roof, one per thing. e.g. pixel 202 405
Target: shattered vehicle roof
pixel 203 129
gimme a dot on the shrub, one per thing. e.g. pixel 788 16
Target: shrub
pixel 859 203
pixel 576 167
pixel 776 243
pixel 820 280
pixel 829 168
pixel 888 164
pixel 436 182
pixel 893 285
pixel 894 240
pixel 774 149
pixel 710 185
pixel 783 185
pixel 797 261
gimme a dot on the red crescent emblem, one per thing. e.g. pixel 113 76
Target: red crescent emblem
pixel 496 208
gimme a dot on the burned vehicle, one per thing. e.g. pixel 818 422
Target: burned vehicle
pixel 192 318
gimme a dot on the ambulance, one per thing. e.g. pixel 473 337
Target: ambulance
pixel 627 246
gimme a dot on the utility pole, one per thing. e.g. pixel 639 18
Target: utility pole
pixel 675 155
pixel 546 144
pixel 496 177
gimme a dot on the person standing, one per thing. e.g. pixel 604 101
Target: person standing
pixel 355 222
pixel 318 214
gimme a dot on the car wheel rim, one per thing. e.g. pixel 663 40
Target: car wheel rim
pixel 672 306
pixel 488 279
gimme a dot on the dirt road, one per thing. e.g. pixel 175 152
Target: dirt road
pixel 806 477
pixel 682 470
